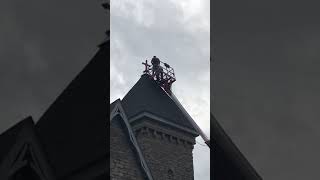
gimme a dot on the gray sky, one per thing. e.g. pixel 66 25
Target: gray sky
pixel 178 32
pixel 44 44
pixel 266 83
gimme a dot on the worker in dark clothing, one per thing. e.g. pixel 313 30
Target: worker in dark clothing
pixel 155 61
pixel 156 68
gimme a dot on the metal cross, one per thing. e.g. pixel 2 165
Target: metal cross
pixel 146 71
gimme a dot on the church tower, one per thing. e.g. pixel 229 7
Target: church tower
pixel 159 134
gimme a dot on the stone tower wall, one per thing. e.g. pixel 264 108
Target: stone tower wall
pixel 167 152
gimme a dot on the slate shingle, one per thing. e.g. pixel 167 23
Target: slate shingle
pixel 147 96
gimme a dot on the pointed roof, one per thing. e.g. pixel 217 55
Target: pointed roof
pixel 113 104
pixel 228 158
pixel 9 137
pixel 147 96
pixel 73 129
pixel 20 143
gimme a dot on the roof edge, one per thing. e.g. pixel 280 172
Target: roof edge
pixel 161 120
pixel 118 110
pixel 226 144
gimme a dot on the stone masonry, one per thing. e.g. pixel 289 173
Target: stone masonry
pixel 124 164
pixel 168 151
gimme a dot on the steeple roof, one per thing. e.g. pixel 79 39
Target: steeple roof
pixel 73 129
pixel 147 96
pixel 9 137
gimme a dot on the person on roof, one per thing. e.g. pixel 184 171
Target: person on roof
pixel 156 68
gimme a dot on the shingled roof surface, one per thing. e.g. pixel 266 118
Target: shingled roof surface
pixel 73 129
pixel 147 96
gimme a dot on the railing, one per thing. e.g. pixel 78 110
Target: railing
pixel 167 71
pixel 165 77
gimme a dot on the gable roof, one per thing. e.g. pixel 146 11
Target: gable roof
pixel 228 161
pixel 9 137
pixel 73 129
pixel 147 96
pixel 113 104
pixel 21 143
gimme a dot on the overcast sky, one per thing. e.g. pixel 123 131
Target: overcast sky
pixel 44 44
pixel 178 32
pixel 266 83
